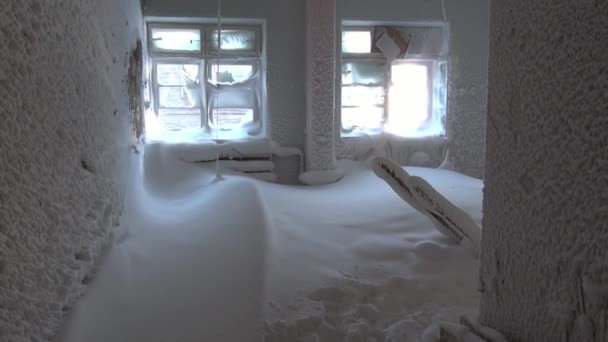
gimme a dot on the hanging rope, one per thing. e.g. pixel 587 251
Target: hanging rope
pixel 217 71
pixel 218 171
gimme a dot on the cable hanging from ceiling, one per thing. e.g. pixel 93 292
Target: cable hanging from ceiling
pixel 218 171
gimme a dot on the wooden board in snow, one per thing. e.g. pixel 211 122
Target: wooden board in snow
pixel 417 192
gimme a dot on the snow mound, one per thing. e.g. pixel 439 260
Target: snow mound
pixel 205 260
pixel 191 268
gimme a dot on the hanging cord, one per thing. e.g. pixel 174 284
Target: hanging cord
pixel 445 17
pixel 217 71
pixel 218 171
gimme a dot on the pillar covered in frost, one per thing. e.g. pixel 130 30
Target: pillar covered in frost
pixel 320 82
pixel 544 262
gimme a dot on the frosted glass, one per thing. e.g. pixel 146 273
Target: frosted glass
pixel 363 96
pixel 178 97
pixel 235 40
pixel 356 41
pixel 231 73
pixel 362 118
pixel 363 73
pixel 172 39
pixel 231 118
pixel 177 74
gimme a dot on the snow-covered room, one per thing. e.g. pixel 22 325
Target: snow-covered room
pixel 303 171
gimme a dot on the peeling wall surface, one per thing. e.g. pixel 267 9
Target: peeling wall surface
pixel 544 264
pixel 468 61
pixel 285 51
pixel 64 144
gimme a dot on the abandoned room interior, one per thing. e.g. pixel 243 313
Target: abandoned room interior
pixel 303 170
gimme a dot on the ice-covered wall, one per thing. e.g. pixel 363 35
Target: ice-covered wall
pixel 65 136
pixel 285 50
pixel 468 61
pixel 544 265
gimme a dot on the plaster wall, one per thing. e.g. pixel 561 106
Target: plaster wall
pixel 544 263
pixel 65 142
pixel 468 60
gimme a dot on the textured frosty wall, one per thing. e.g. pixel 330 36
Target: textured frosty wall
pixel 544 259
pixel 285 50
pixel 469 32
pixel 320 82
pixel 64 139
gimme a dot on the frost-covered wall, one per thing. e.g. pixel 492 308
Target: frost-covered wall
pixel 65 133
pixel 285 50
pixel 468 61
pixel 544 272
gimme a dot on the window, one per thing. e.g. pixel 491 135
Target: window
pixel 394 80
pixel 198 82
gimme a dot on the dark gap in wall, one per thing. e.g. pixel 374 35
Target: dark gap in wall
pixel 135 89
pixel 86 280
pixel 87 166
pixel 82 256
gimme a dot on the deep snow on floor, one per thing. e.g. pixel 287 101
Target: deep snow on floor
pixel 200 260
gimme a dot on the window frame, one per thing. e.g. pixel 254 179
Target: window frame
pixel 431 62
pixel 205 58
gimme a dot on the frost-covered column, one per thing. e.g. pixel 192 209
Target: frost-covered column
pixel 544 262
pixel 321 63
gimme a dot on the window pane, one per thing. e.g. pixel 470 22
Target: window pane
pixel 356 41
pixel 231 118
pixel 176 39
pixel 178 97
pixel 362 117
pixel 234 40
pixel 177 74
pixel 231 73
pixel 178 119
pixel 363 73
pixel 360 96
pixel 232 97
pixel 409 98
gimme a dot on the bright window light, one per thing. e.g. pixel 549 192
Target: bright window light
pixel 235 40
pixel 409 103
pixel 370 118
pixel 176 39
pixel 356 41
pixel 359 96
pixel 232 118
pixel 231 73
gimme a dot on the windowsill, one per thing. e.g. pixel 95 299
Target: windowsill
pixel 201 135
pixel 360 133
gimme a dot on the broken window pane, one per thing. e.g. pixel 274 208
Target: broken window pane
pixel 177 74
pixel 230 74
pixel 363 73
pixel 360 96
pixel 234 40
pixel 178 97
pixel 173 39
pixel 362 118
pixel 354 41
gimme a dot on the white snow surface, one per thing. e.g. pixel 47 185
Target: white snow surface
pixel 198 260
